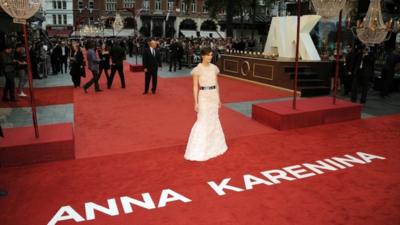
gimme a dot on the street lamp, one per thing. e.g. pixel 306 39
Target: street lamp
pixel 20 11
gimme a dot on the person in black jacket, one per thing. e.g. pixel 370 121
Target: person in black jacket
pixel 104 56
pixel 65 53
pixel 348 77
pixel 118 55
pixel 151 62
pixel 388 71
pixel 77 65
pixel 56 59
pixel 363 72
pixel 173 55
pixel 8 68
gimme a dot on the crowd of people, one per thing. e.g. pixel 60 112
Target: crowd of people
pixel 358 71
pixel 66 56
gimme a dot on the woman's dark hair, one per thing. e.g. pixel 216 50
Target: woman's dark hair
pixel 205 51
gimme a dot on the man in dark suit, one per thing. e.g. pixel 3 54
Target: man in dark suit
pixel 348 76
pixel 64 57
pixel 151 62
pixel 118 56
pixel 56 59
pixel 363 72
pixel 173 55
pixel 388 71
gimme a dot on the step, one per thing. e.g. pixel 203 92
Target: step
pixel 305 75
pixel 301 69
pixel 314 91
pixel 310 82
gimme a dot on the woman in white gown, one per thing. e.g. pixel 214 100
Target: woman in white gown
pixel 207 138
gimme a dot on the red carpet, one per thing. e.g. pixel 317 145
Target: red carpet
pixel 366 194
pixel 44 97
pixel 309 112
pixel 124 120
pixel 20 146
pixel 152 132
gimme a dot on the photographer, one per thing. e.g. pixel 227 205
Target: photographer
pixel 8 68
pixel 363 71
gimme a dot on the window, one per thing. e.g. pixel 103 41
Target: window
pixel 80 4
pixel 54 19
pixel 170 5
pixel 183 7
pixel 64 4
pixel 146 5
pixel 59 19
pixel 111 5
pixel 205 9
pixel 129 4
pixel 58 4
pixel 158 5
pixel 91 4
pixel 65 19
pixel 54 5
pixel 193 6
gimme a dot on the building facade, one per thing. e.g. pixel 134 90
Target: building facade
pixel 59 17
pixel 159 18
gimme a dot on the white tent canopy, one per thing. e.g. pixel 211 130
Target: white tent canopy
pixel 189 33
pixel 213 34
pixel 108 33
pixel 203 33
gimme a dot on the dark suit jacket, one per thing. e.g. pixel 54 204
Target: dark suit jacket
pixel 150 62
pixel 367 69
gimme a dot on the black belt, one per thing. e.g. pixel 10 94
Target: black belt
pixel 208 88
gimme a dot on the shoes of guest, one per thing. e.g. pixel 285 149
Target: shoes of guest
pixel 145 93
pixel 85 90
pixel 98 90
pixel 22 94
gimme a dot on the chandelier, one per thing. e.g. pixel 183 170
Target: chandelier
pixel 20 10
pixel 118 24
pixel 90 30
pixel 328 8
pixel 372 30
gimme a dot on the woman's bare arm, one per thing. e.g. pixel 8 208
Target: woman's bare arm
pixel 196 91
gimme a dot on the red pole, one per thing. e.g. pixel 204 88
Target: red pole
pixel 28 61
pixel 339 31
pixel 296 68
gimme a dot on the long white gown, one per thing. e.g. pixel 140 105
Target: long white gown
pixel 207 139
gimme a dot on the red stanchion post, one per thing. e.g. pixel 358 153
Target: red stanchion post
pixel 339 31
pixel 28 61
pixel 296 68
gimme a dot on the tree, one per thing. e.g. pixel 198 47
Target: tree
pixel 215 7
pixel 235 8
